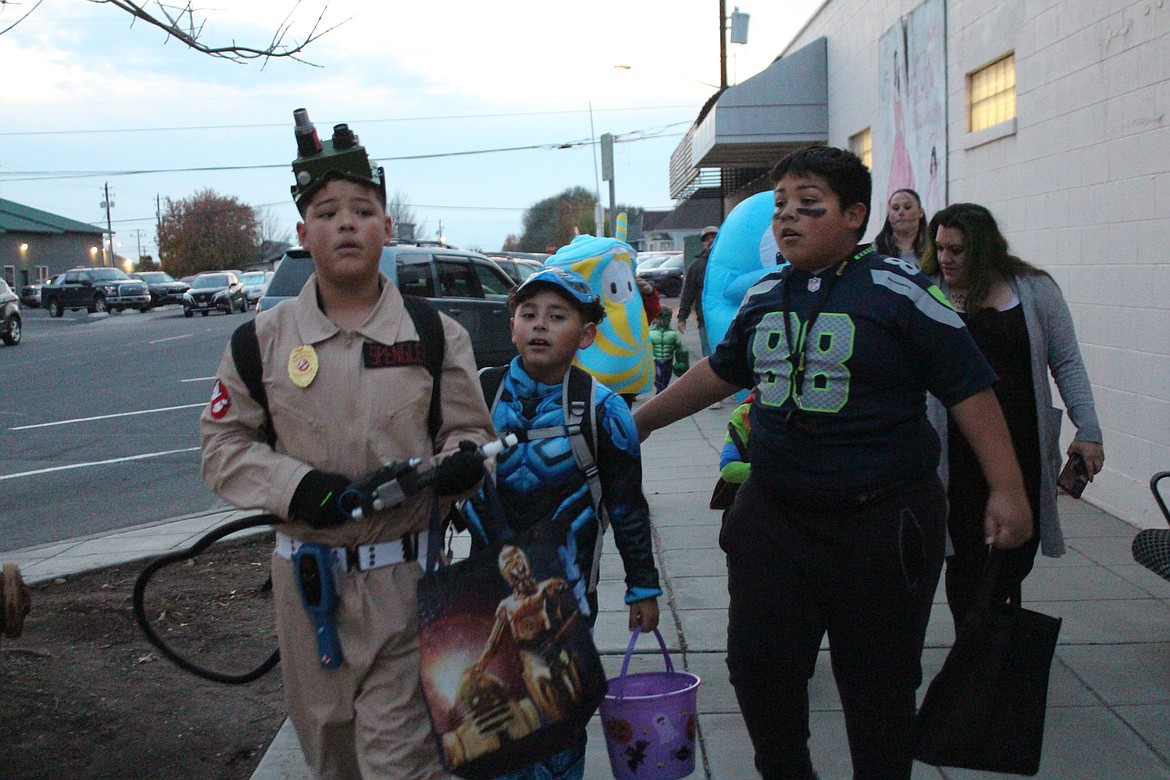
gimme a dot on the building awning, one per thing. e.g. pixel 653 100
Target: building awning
pixel 753 124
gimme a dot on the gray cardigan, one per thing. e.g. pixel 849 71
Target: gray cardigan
pixel 1053 344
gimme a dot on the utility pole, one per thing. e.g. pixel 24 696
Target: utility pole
pixel 739 34
pixel 598 210
pixel 607 175
pixel 722 44
pixel 158 228
pixel 108 204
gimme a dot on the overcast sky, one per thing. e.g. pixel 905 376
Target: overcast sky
pixel 87 99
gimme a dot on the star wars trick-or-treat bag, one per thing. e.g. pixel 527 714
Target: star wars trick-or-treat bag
pixel 509 669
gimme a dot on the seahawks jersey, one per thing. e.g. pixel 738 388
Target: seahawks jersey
pixel 876 334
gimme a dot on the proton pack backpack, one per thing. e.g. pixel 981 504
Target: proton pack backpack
pixel 246 354
pixel 577 394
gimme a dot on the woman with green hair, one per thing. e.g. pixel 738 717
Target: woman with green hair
pixel 1020 320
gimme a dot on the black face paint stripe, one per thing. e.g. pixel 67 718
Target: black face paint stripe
pixel 814 213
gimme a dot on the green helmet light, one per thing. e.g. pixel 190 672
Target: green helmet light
pixel 339 157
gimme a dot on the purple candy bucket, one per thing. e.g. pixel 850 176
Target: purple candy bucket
pixel 649 719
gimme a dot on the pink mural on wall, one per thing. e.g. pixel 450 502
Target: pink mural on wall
pixel 909 137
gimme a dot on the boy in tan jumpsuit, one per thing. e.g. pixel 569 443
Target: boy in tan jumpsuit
pixel 347 392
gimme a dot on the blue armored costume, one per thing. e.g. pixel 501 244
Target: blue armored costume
pixel 540 479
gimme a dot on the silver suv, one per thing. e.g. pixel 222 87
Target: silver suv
pixel 466 286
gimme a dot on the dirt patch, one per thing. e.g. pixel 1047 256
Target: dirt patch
pixel 83 693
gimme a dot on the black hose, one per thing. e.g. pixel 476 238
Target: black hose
pixel 424 479
pixel 202 544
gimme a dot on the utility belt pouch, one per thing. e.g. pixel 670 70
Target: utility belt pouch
pixel 313 572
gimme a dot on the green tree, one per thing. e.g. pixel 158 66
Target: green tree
pixel 551 222
pixel 207 232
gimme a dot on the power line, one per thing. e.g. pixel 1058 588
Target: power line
pixel 435 206
pixel 277 204
pixel 632 136
pixel 357 122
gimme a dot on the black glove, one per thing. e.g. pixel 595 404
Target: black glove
pixel 460 471
pixel 315 500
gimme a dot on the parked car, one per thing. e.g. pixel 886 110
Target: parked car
pixel 467 286
pixel 30 294
pixel 95 289
pixel 9 315
pixel 255 283
pixel 536 257
pixel 517 268
pixel 215 291
pixel 163 287
pixel 667 276
pixel 649 260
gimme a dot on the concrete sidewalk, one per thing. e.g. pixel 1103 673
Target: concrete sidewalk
pixel 1109 700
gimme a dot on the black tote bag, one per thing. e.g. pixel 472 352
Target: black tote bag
pixel 985 708
pixel 509 669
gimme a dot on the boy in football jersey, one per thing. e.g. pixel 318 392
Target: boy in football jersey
pixel 840 528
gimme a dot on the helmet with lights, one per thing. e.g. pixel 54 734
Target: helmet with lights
pixel 320 161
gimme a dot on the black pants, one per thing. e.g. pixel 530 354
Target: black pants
pixel 865 576
pixel 968 503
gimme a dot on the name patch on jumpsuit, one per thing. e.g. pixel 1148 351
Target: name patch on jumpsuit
pixel 402 353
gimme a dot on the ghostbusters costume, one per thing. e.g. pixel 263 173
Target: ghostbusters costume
pixel 299 415
pixel 357 409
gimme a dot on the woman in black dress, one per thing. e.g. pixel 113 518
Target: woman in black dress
pixel 1020 321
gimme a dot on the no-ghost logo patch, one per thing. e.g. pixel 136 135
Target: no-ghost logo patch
pixel 221 400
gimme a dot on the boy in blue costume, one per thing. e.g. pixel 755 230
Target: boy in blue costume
pixel 840 527
pixel 554 314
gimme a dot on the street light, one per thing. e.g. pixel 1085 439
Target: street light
pixel 667 73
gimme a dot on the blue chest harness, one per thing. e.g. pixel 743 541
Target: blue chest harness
pixel 553 468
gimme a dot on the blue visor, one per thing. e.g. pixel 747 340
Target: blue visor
pixel 569 281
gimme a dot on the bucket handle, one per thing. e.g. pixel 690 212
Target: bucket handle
pixel 630 651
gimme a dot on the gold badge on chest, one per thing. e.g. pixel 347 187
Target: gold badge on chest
pixel 302 365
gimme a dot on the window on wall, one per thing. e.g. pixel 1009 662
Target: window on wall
pixel 991 94
pixel 42 273
pixel 861 145
pixel 10 275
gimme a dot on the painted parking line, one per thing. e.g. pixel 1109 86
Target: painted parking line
pixel 106 416
pixel 97 463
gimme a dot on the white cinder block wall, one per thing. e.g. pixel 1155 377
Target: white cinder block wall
pixel 1081 187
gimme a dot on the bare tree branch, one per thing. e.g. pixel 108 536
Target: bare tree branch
pixel 180 22
pixel 5 3
pixel 184 23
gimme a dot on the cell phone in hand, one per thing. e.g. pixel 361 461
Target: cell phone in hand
pixel 1074 476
